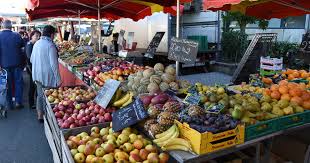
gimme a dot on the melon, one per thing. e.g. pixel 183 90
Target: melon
pixel 139 73
pixel 174 86
pixel 137 79
pixel 184 83
pixel 145 81
pixel 131 77
pixel 129 84
pixel 167 78
pixel 153 88
pixel 159 67
pixel 160 73
pixel 155 79
pixel 148 72
pixel 135 86
pixel 170 70
pixel 142 89
pixel 164 86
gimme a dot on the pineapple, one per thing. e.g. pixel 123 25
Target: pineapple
pixel 195 111
pixel 156 129
pixel 153 111
pixel 172 106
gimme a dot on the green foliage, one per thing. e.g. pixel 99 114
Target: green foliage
pixel 234 44
pixel 280 49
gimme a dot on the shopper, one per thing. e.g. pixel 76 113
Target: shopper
pixel 34 37
pixel 11 57
pixel 45 70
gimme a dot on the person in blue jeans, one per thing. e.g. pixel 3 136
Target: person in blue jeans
pixel 11 59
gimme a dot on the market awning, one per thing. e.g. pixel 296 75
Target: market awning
pixel 110 9
pixel 264 9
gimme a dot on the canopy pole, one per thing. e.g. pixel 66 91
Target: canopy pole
pixel 79 14
pixel 177 64
pixel 99 27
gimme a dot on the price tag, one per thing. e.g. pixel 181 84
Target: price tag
pixel 183 50
pixel 106 93
pixel 215 109
pixel 192 99
pixel 129 115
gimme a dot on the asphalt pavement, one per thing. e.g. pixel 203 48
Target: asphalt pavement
pixel 22 138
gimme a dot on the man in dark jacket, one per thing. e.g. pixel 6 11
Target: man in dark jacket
pixel 11 45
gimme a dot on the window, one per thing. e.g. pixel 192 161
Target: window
pixel 294 22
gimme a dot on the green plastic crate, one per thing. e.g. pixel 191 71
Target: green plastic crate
pixel 293 120
pixel 260 129
pixel 268 72
pixel 202 40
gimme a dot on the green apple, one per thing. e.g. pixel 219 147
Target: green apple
pixel 97 141
pixel 83 134
pixel 95 129
pixel 79 158
pixel 74 151
pixel 104 131
pixel 111 137
pixel 89 158
pixel 81 148
pixel 126 131
pixel 111 131
pixel 99 152
pixel 108 158
pixel 127 147
pixel 132 138
pixel 123 138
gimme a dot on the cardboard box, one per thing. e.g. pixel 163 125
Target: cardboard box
pixel 208 142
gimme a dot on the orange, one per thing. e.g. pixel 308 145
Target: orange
pixel 283 82
pixel 302 71
pixel 296 74
pixel 267 92
pixel 283 89
pixel 291 85
pixel 275 95
pixel 291 77
pixel 302 86
pixel 304 75
pixel 267 80
pixel 305 96
pixel 274 87
pixel 306 104
pixel 297 100
pixel 289 71
pixel 286 97
pixel 296 92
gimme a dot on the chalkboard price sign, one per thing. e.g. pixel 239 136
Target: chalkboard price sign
pixel 106 93
pixel 129 115
pixel 305 44
pixel 183 50
pixel 151 49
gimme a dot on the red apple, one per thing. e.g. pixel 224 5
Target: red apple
pixel 73 125
pixel 82 122
pixel 107 117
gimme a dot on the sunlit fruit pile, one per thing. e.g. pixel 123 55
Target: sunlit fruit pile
pixel 67 93
pixel 116 69
pixel 71 114
pixel 293 92
pixel 296 74
pixel 248 88
pixel 104 145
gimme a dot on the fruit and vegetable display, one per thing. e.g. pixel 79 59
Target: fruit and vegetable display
pixel 70 114
pixel 296 74
pixel 153 80
pixel 77 93
pixel 66 47
pixel 295 93
pixel 121 99
pixel 104 145
pixel 201 121
pixel 116 69
pixel 246 88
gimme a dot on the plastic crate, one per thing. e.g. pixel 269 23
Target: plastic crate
pixel 269 72
pixel 261 129
pixel 293 120
pixel 202 40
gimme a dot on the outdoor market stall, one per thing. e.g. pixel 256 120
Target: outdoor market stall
pixel 153 111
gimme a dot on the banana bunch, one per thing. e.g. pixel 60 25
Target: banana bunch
pixel 123 101
pixel 169 140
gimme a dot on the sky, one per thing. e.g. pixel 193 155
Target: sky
pixel 12 6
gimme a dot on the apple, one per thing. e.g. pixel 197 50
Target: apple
pixel 71 144
pixel 94 135
pixel 99 152
pixel 77 106
pixel 74 152
pixel 132 138
pixel 101 119
pixel 83 106
pixel 65 125
pixel 65 103
pixel 135 151
pixel 96 110
pixel 58 115
pixel 108 158
pixel 138 144
pixel 79 158
pixel 107 117
pixel 86 138
pixel 97 160
pixel 153 158
pixel 73 125
pixel 126 131
pixel 146 142
pixel 163 158
pixel 55 109
pixel 89 149
pixel 70 120
pixel 75 111
pixel 51 99
pixel 143 154
pixel 86 118
pixel 81 148
pixel 127 147
pixel 121 156
pixel 97 141
pixel 101 112
pixel 89 158
pixel 104 131
pixel 151 148
pixel 69 110
pixel 108 148
pixel 95 129
pixel 133 158
pixel 123 138
pixel 82 122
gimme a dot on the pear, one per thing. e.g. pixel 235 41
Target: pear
pixel 283 103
